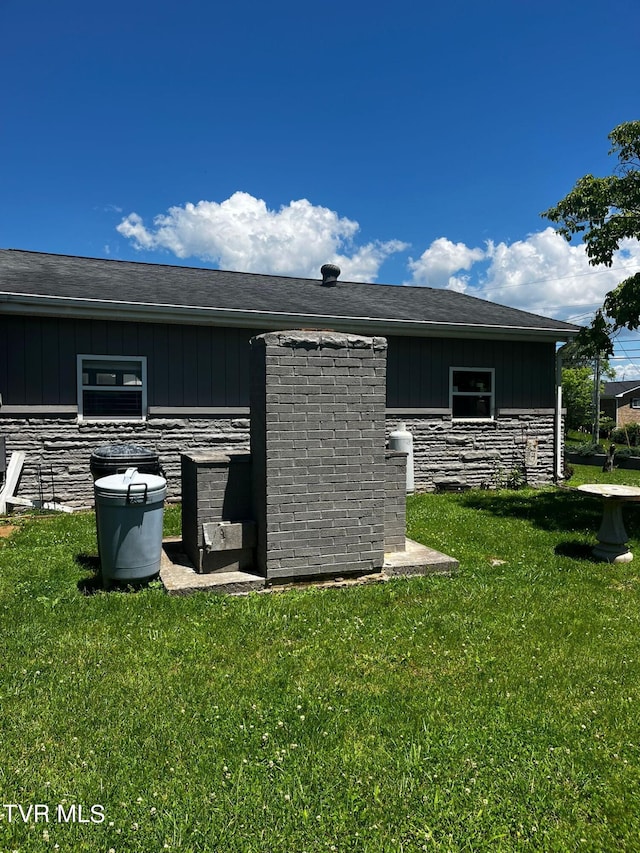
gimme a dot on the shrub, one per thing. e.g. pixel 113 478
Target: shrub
pixel 625 452
pixel 627 435
pixel 587 448
pixel 607 425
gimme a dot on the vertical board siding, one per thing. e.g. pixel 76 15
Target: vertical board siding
pixel 33 361
pixel 158 367
pixel 243 376
pixel 218 359
pixel 203 372
pixel 233 344
pixel 206 366
pixel 418 375
pixel 50 373
pixel 97 334
pixel 4 354
pixel 186 365
pixel 16 346
pixel 172 355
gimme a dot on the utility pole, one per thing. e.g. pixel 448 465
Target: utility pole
pixel 596 399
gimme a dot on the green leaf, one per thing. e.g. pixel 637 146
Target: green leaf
pixel 606 211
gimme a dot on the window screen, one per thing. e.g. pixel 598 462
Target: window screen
pixel 111 387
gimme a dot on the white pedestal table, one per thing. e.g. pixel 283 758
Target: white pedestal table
pixel 612 536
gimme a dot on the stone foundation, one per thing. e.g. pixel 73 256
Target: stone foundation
pixel 58 449
pixel 446 453
pixel 516 446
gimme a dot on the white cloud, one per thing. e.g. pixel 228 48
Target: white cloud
pixel 436 265
pixel 542 273
pixel 241 233
pixel 547 275
pixel 626 370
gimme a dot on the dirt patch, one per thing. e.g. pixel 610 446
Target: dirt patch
pixel 6 530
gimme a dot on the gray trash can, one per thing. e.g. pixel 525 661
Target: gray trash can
pixel 118 458
pixel 129 512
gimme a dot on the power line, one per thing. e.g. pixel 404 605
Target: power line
pixel 581 316
pixel 561 277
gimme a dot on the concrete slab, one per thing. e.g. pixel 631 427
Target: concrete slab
pixel 180 578
pixel 417 559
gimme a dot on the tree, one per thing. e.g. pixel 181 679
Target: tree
pixel 606 211
pixel 578 381
pixel 577 395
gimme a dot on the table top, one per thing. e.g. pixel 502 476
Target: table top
pixel 611 490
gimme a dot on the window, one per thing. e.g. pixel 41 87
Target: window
pixel 112 387
pixel 472 392
pixel 635 402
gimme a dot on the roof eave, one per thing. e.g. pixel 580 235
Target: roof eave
pixel 56 306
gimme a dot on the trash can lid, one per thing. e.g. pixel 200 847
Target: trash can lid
pixel 132 482
pixel 123 451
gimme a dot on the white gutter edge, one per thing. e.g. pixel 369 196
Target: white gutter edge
pixel 19 303
pixel 622 393
pixel 559 450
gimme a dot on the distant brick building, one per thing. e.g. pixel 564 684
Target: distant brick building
pixel 621 401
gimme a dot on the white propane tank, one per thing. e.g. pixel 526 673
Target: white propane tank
pixel 401 439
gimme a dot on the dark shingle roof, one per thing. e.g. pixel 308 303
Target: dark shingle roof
pixel 34 274
pixel 613 389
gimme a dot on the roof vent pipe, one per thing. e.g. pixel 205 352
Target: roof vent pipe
pixel 330 273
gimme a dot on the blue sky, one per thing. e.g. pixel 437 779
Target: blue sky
pixel 413 142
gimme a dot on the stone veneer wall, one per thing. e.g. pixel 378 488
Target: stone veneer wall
pixel 446 453
pixel 65 446
pixel 450 454
pixel 317 448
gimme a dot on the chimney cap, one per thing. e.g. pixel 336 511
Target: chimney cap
pixel 330 273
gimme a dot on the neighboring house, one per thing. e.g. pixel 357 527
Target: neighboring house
pixel 621 401
pixel 96 351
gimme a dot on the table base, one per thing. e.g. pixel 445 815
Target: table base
pixel 610 553
pixel 612 536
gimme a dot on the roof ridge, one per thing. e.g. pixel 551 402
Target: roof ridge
pixel 216 269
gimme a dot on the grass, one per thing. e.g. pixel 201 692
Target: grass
pixel 594 474
pixel 496 710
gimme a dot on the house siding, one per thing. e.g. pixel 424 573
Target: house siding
pixel 58 449
pixel 516 447
pixel 191 368
pixel 418 370
pixel 187 365
pixel 447 454
pixel 196 366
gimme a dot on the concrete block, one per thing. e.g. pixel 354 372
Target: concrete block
pixel 229 536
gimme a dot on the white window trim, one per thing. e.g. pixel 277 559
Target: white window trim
pixel 491 394
pixel 134 359
pixel 635 402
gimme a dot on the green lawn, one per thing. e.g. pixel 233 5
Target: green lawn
pixel 495 710
pixel 595 474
